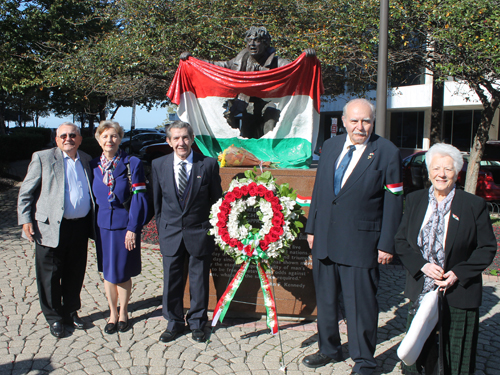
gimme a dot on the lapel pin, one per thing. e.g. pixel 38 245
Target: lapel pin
pixel 198 176
pixel 455 217
pixel 370 156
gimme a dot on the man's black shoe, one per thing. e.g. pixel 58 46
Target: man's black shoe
pixel 198 335
pixel 57 329
pixel 169 335
pixel 318 359
pixel 76 321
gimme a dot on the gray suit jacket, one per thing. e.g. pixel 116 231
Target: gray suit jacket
pixel 41 197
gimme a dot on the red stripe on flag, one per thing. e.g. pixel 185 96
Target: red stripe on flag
pixel 304 198
pixel 300 77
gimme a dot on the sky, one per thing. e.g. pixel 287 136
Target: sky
pixel 143 118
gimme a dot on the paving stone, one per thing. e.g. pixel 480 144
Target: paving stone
pixel 27 347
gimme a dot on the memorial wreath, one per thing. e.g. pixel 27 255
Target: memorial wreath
pixel 279 216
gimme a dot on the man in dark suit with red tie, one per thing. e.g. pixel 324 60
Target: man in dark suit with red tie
pixel 186 185
pixel 355 212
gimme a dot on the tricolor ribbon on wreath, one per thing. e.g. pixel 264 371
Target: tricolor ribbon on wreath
pixel 279 214
pixel 227 297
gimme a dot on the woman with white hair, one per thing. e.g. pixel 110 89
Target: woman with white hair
pixel 446 241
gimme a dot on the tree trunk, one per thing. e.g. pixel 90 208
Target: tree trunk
pixel 436 135
pixel 114 112
pixel 2 124
pixel 480 140
pixel 3 129
pixel 82 120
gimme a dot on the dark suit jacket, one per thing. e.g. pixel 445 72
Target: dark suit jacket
pixel 190 224
pixel 470 246
pixel 349 228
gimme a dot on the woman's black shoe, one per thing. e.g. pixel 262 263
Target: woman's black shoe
pixel 110 328
pixel 123 326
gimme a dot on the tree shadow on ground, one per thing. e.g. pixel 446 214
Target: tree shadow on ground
pixel 40 365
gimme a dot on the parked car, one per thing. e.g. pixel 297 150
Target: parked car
pixel 150 152
pixel 134 145
pixel 143 130
pixel 415 176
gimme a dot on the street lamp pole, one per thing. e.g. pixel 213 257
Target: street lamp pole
pixel 381 107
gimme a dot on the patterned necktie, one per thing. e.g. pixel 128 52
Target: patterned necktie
pixel 182 178
pixel 339 173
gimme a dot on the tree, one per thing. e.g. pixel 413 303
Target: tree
pixel 137 59
pixel 35 32
pixel 466 47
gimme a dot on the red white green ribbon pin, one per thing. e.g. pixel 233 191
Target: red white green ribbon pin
pixel 396 189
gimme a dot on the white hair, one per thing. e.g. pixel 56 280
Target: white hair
pixel 68 123
pixel 444 149
pixel 359 100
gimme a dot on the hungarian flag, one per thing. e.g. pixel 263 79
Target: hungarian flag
pixel 272 114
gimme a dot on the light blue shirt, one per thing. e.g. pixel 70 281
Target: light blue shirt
pixel 76 189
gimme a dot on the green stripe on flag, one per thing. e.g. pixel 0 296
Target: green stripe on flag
pixel 286 153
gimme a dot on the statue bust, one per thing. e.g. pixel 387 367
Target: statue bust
pixel 258 54
pixel 253 116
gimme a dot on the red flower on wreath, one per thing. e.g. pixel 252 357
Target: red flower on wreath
pixel 269 195
pixel 261 190
pixel 248 250
pixel 230 197
pixel 277 222
pixel 225 236
pixel 273 237
pixel 264 245
pixel 237 193
pixel 277 230
pixel 225 210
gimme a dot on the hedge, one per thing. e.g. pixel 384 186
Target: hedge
pixel 20 146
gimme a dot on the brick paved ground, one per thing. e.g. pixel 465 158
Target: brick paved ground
pixel 26 346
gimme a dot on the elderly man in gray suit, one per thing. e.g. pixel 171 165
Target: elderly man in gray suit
pixel 55 209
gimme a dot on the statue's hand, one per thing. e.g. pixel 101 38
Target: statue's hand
pixel 257 67
pixel 310 52
pixel 184 55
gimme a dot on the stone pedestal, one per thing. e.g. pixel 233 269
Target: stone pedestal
pixel 292 280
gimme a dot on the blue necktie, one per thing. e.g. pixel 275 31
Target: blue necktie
pixel 339 173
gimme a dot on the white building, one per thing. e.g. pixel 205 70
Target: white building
pixel 408 120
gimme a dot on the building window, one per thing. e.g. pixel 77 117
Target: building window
pixel 459 128
pixel 407 129
pixel 330 125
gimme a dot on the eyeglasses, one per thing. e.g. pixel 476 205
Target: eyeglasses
pixel 66 135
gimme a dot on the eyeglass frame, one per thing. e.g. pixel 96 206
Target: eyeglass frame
pixel 65 135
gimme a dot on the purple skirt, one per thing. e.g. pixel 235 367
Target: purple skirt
pixel 115 262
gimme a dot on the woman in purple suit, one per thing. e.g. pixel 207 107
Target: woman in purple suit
pixel 118 230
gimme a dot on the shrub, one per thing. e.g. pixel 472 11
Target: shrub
pixel 20 146
pixel 46 133
pixel 91 147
